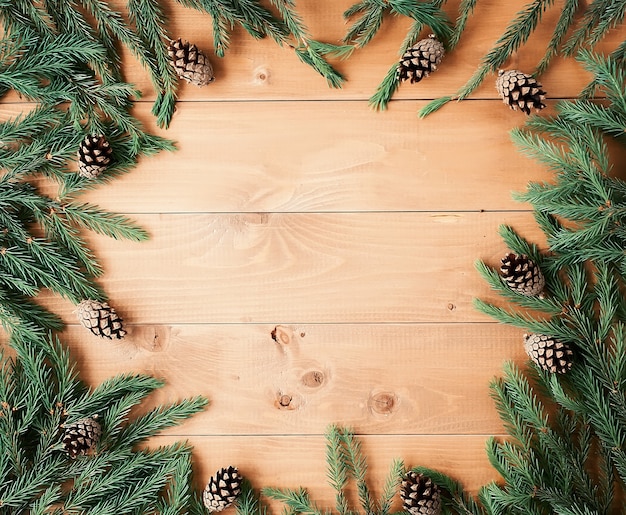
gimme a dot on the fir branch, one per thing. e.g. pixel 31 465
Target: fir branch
pixel 248 502
pixel 385 90
pixel 609 74
pixel 111 22
pixel 585 112
pixel 433 106
pixel 465 11
pixel 311 56
pixel 515 35
pixel 37 387
pixel 593 15
pixel 337 468
pixel 455 497
pixel 296 500
pixel 150 22
pixel 20 316
pixel 357 465
pixel 102 222
pixel 423 14
pixel 68 237
pixel 24 15
pixel 367 26
pixel 391 82
pixel 393 481
pixel 176 499
pixel 97 400
pixel 565 22
pixel 159 419
pixel 547 304
pixel 554 327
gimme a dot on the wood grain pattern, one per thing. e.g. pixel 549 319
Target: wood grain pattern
pixel 329 156
pixel 326 156
pixel 418 379
pixel 254 70
pixel 294 461
pixel 305 268
pixel 311 261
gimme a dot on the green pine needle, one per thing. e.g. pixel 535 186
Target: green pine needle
pixel 433 105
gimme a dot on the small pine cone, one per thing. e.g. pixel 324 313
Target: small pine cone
pixel 82 436
pixel 94 156
pixel 421 59
pixel 549 353
pixel 420 496
pixel 519 89
pixel 190 63
pixel 222 489
pixel 101 319
pixel 522 275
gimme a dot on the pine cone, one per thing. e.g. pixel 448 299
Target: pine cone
pixel 421 59
pixel 190 63
pixel 101 319
pixel 522 275
pixel 94 155
pixel 81 437
pixel 420 496
pixel 548 353
pixel 519 89
pixel 222 489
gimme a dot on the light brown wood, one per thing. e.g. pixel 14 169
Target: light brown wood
pixel 254 70
pixel 329 156
pixel 312 261
pixel 418 379
pixel 326 156
pixel 294 461
pixel 305 268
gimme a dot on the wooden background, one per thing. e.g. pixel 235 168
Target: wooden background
pixel 311 261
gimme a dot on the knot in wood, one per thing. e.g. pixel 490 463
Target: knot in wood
pixel 313 379
pixel 284 401
pixel 282 335
pixel 383 403
pixel 155 338
pixel 261 75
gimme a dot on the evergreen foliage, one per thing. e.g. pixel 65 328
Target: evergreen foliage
pixel 578 26
pixel 565 452
pixel 39 394
pixel 370 15
pixel 64 58
pixel 346 462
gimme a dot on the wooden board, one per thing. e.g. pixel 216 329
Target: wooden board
pixel 294 461
pixel 325 157
pixel 418 379
pixel 304 268
pixel 253 70
pixel 329 156
pixel 312 261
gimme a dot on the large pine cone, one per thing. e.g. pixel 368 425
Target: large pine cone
pixel 190 63
pixel 522 275
pixel 519 89
pixel 94 156
pixel 222 489
pixel 421 59
pixel 81 437
pixel 101 319
pixel 549 353
pixel 420 496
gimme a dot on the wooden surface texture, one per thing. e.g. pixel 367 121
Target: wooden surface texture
pixel 311 261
